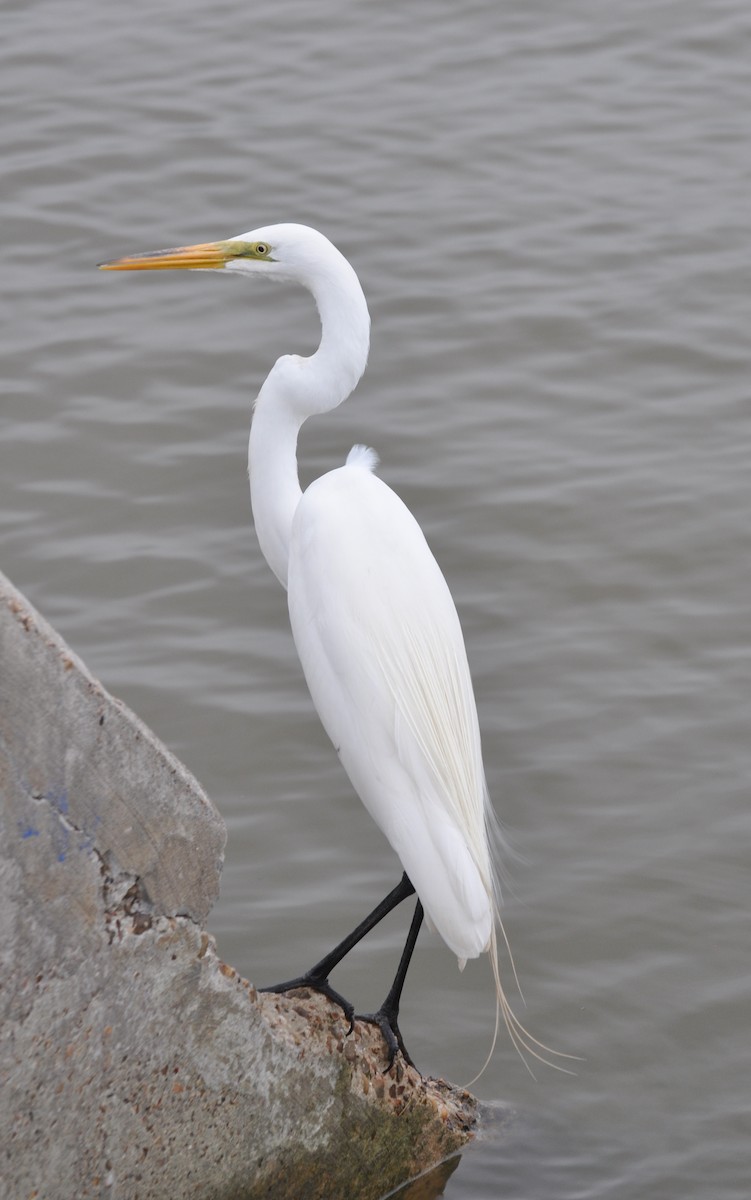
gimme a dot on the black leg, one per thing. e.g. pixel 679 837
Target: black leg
pixel 317 977
pixel 387 1017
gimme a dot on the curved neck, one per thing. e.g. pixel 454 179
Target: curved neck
pixel 295 389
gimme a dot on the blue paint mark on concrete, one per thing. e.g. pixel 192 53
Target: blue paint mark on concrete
pixel 63 841
pixel 59 801
pixel 64 837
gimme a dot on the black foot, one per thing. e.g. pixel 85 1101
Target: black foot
pixel 317 983
pixel 388 1024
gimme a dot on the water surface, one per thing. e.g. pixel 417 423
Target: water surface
pixel 548 208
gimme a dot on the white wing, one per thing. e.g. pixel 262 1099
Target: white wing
pixel 382 650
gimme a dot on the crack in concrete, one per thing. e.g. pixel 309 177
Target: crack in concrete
pixel 124 897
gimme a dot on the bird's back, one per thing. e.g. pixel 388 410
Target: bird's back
pixel 381 646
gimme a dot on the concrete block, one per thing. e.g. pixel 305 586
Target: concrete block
pixel 134 1063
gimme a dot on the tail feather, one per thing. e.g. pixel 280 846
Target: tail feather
pixel 525 1044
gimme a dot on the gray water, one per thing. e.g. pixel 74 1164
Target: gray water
pixel 548 206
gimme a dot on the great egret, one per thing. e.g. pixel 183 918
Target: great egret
pixel 373 621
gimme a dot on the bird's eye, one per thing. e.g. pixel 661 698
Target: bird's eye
pixel 262 248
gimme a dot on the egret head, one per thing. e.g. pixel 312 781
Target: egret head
pixel 284 252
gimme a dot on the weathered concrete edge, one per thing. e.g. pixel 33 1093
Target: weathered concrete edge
pixel 133 1062
pixel 75 748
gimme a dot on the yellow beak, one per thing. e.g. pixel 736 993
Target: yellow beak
pixel 206 256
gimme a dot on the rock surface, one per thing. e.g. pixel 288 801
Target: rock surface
pixel 135 1064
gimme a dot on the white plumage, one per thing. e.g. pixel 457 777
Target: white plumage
pixel 382 651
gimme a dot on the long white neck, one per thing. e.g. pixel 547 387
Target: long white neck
pixel 297 388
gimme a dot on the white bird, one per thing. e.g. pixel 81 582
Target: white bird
pixel 373 621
